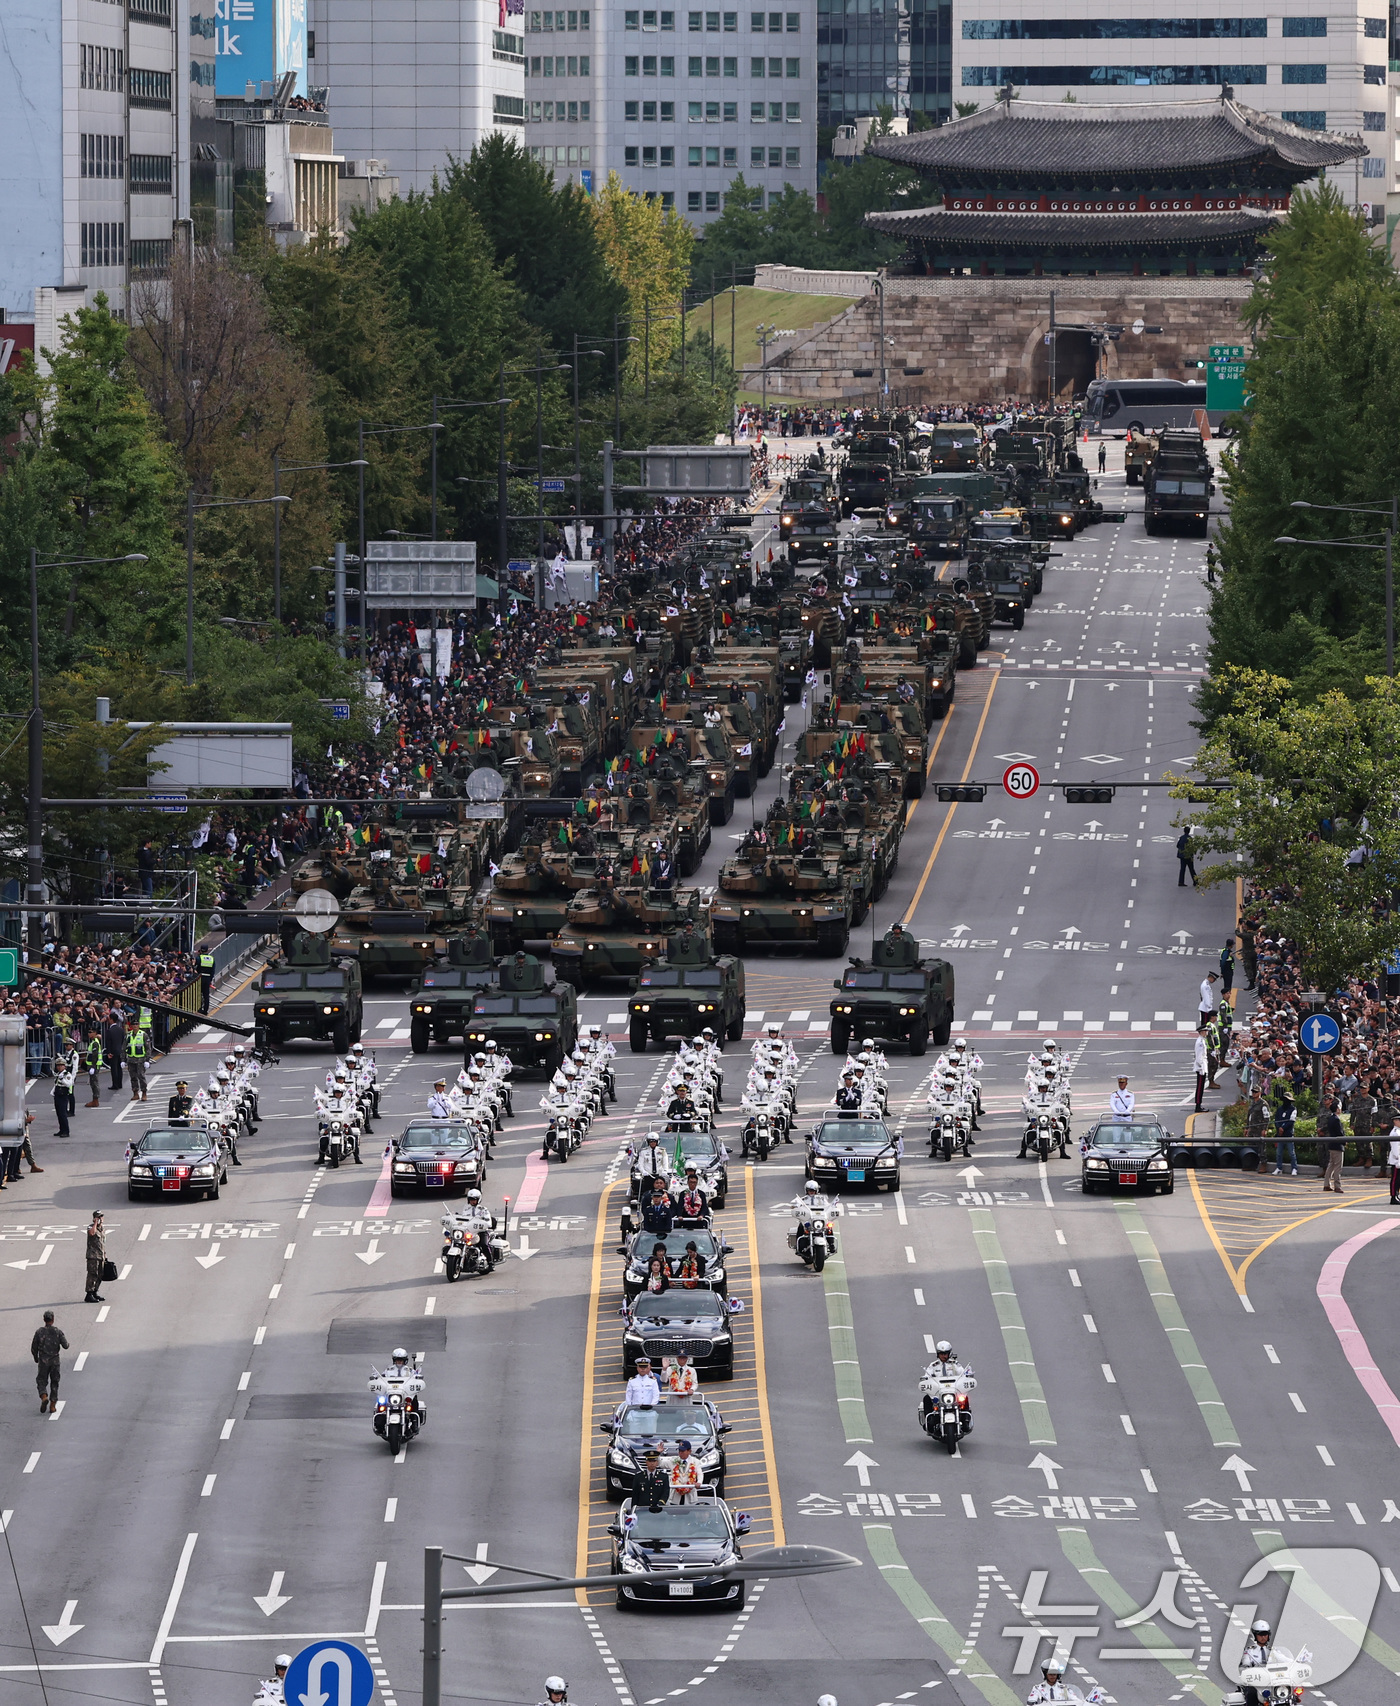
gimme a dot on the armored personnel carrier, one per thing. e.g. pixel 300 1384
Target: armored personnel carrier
pixel 440 1003
pixel 894 996
pixel 533 1022
pixel 689 989
pixel 309 992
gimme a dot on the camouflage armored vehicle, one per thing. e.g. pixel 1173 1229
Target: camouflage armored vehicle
pixel 440 1003
pixel 309 992
pixel 689 989
pixel 770 897
pixel 392 923
pixel 612 931
pixel 533 1022
pixel 527 901
pixel 894 996
pixel 703 748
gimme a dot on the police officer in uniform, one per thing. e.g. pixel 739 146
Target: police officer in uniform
pixel 848 1096
pixel 138 1044
pixel 1122 1103
pixel 206 980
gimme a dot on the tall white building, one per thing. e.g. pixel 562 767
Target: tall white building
pixel 415 82
pixel 95 99
pixel 677 103
pixel 1326 68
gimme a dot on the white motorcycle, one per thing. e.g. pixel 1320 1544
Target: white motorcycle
pixel 945 1405
pixel 1281 1681
pixel 398 1409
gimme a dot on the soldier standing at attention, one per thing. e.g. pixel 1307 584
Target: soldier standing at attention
pixel 96 1257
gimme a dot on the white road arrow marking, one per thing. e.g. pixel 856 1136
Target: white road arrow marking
pixel 995 822
pixel 523 1250
pixel 862 1466
pixel 1237 1466
pixel 207 1262
pixel 316 1693
pixel 959 930
pixel 371 1256
pixel 971 1174
pixel 59 1632
pixel 33 1261
pixel 480 1572
pixel 1181 936
pixel 1070 932
pixel 274 1599
pixel 1047 1467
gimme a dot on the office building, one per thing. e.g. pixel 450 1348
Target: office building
pixel 418 82
pixel 677 103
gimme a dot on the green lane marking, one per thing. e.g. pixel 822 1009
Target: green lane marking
pixel 1207 1394
pixel 1035 1412
pixel 1270 1541
pixel 850 1394
pixel 879 1537
pixel 1078 1548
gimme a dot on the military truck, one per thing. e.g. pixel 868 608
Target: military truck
pixel 309 992
pixel 616 929
pixel 1138 454
pixel 769 898
pixel 955 446
pixel 894 996
pixel 1177 487
pixel 687 990
pixel 534 1023
pixel 440 1003
pixel 938 525
pixel 813 537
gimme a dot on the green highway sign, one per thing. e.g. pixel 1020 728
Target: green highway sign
pixel 1227 352
pixel 1225 378
pixel 9 967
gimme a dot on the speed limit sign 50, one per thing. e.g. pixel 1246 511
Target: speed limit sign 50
pixel 1021 781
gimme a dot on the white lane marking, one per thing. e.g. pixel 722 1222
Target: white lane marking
pixel 260 1335
pixel 429 1305
pixel 177 1587
pixel 144 1233
pixel 1127 1422
pixel 391 1509
pixel 1297 1403
pixel 274 1293
pixel 969 1509
pixel 1074 1278
pixel 30 1466
pixel 244 1378
pixel 918 1297
pixel 1108 1373
pixel 900 1209
pixel 80 1362
pixel 103 1313
pixel 1326 1456
pixel 227 1430
pixel 208 1486
pixel 1271 1353
pixel 909 1252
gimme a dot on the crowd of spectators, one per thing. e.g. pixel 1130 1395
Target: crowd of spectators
pixel 784 421
pixel 60 1018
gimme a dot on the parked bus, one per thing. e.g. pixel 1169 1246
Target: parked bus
pixel 1148 405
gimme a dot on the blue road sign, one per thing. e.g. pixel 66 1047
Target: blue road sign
pixel 551 485
pixel 1319 1033
pixel 329 1673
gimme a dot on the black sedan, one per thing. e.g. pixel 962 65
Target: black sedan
pixel 708 1247
pixel 437 1155
pixel 660 1323
pixel 636 1429
pixel 175 1161
pixel 1128 1155
pixel 703 1537
pixel 846 1149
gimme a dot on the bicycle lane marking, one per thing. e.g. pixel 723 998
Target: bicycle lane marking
pixel 1159 1288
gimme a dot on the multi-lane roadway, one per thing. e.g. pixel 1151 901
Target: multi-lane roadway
pixel 1168 1389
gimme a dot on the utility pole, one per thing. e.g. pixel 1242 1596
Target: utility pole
pixel 276 546
pixel 646 351
pixel 712 328
pixel 608 523
pixel 1054 393
pixel 340 596
pixel 502 518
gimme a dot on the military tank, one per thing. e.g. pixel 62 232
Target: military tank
pixel 612 931
pixel 773 898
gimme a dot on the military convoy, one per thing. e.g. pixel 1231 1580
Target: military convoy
pixel 309 991
pixel 894 996
pixel 687 991
pixel 533 1022
pixel 440 1002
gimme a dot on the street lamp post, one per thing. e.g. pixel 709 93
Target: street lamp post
pixel 1390 506
pixel 190 507
pixel 34 872
pixel 772 1563
pixel 278 470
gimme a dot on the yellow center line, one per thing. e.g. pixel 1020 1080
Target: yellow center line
pixel 967 771
pixel 585 1450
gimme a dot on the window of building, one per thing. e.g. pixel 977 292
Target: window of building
pixel 755 112
pixel 794 68
pixel 692 201
pixel 1126 76
pixel 150 254
pixel 731 112
pixel 1304 27
pixel 731 156
pixel 549 65
pixel 794 23
pixel 711 201
pixel 102 243
pixel 711 112
pixel 150 173
pixel 629 156
pixel 712 23
pixel 507 47
pixel 1373 121
pixel 731 67
pixel 649 157
pixel 534 65
pixel 668 65
pixel 629 111
pixel 536 112
pixel 668 112
pixel 648 112
pixel 668 200
pixel 712 156
pixel 756 66
pixel 775 67
pixel 630 65
pixel 775 112
pixel 649 20
pixel 792 158
pixel 101 68
pixel 583 20
pixel 584 108
pixel 695 112
pixel 695 20
pixel 755 156
pixel 1312 120
pixel 731 23
pixel 573 112
pixel 1375 28
pixel 668 21
pixel 695 157
pixel 775 157
pixel 794 112
pixel 775 23
pixel 1121 29
pixel 712 65
pixel 695 66
pixel 1373 167
pixel 103 156
pixel 649 65
pixel 631 20
pixel 668 156
pixel 549 21
pixel 149 89
pixel 549 112
pixel 1305 73
pixel 756 22
pixel 1374 74
pixel 510 109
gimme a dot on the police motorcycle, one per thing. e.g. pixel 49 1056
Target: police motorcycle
pixel 498 1070
pixel 1270 1675
pixel 600 1053
pixel 567 1115
pixel 1047 1123
pixel 472 1240
pixel 766 1124
pixel 399 1409
pixel 945 1402
pixel 874 1097
pixel 339 1124
pixel 870 1066
pixel 243 1082
pixel 967 1063
pixel 485 1092
pixel 364 1074
pixel 1051 1691
pixel 950 1115
pixel 216 1110
pixel 689 1105
pixel 813 1237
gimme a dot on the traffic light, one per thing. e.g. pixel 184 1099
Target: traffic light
pixel 1195 364
pixel 961 793
pixel 1088 796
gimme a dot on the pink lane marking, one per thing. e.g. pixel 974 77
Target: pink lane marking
pixel 382 1196
pixel 536 1172
pixel 1353 1343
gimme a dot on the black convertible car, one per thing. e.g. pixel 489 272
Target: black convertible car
pixel 1128 1155
pixel 702 1537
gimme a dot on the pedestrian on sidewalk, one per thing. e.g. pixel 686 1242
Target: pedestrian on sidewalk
pixel 1393 1157
pixel 1186 859
pixel 26 1148
pixel 1256 1122
pixel 44 1347
pixel 96 1257
pixel 1333 1143
pixel 1208 983
pixel 1227 966
pixel 1202 1066
pixel 1249 952
pixel 65 1074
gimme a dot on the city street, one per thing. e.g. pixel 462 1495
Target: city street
pixel 1171 1390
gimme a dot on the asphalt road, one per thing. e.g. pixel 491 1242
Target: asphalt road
pixel 1165 1394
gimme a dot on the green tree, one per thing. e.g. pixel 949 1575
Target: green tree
pixel 869 184
pixel 1322 244
pixel 1298 788
pixel 648 251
